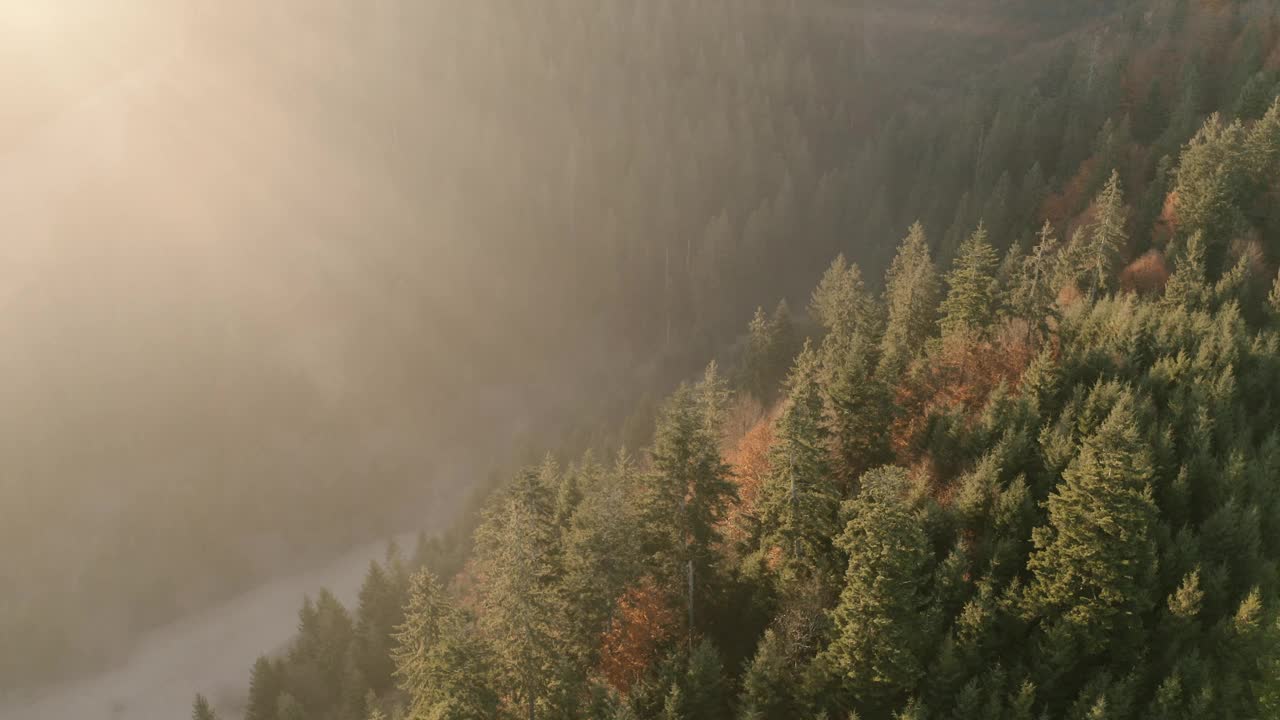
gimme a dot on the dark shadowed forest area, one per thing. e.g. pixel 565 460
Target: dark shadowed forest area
pixel 742 359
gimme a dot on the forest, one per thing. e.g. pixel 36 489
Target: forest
pixel 1013 455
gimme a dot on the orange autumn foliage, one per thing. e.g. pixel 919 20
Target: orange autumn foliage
pixel 1069 295
pixel 1167 224
pixel 749 464
pixel 1147 275
pixel 1061 206
pixel 643 623
pixel 960 377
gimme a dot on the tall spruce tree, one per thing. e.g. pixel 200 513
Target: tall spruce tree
pixel 855 408
pixel 1032 296
pixel 841 302
pixel 201 710
pixel 522 610
pixel 1094 562
pixel 1188 287
pixel 882 622
pixel 378 612
pixel 602 556
pixel 800 500
pixel 264 689
pixel 760 343
pixel 688 491
pixel 911 298
pixel 1108 238
pixel 440 662
pixel 769 683
pixel 972 290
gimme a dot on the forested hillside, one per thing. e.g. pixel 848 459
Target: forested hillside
pixel 1032 473
pixel 297 273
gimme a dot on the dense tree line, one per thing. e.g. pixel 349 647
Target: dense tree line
pixel 1029 474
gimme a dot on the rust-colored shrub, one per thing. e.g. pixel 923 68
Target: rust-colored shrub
pixel 743 415
pixel 643 623
pixel 749 463
pixel 1069 295
pixel 957 379
pixel 1166 225
pixel 1147 275
pixel 1059 207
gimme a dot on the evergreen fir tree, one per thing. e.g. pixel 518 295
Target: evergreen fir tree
pixel 378 612
pixel 911 296
pixel 517 550
pixel 769 682
pixel 882 621
pixel 856 409
pixel 706 693
pixel 602 557
pixel 201 709
pixel 264 689
pixel 1033 293
pixel 1094 561
pixel 759 346
pixel 799 502
pixel 1211 182
pixel 970 305
pixel 689 490
pixel 1188 287
pixel 1108 237
pixel 439 661
pixel 841 303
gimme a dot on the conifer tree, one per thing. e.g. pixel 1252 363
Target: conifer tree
pixel 569 493
pixel 378 613
pixel 1211 182
pixel 201 710
pixel 882 622
pixel 264 688
pixel 1188 287
pixel 440 663
pixel 784 338
pixel 799 501
pixel 972 289
pixel 1094 561
pixel 759 346
pixel 856 409
pixel 689 491
pixel 841 303
pixel 1108 237
pixel 523 615
pixel 911 296
pixel 317 662
pixel 1262 150
pixel 602 557
pixel 705 683
pixel 1033 293
pixel 769 683
pixel 770 343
